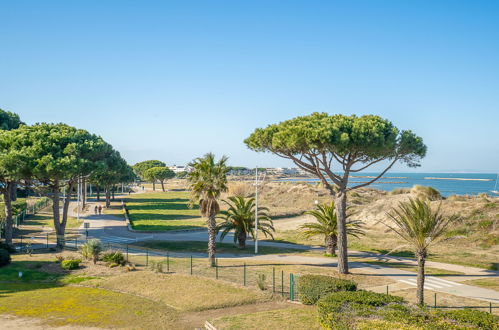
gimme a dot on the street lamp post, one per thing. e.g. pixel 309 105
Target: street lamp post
pixel 257 183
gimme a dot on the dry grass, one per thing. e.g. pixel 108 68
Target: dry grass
pixel 487 283
pixel 183 292
pixel 443 299
pixel 295 317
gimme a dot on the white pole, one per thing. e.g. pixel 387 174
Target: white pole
pixel 256 210
pixel 78 201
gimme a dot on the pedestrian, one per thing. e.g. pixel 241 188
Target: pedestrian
pixel 100 209
pixel 96 209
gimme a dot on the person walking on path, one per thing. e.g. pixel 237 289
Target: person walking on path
pixel 96 209
pixel 100 209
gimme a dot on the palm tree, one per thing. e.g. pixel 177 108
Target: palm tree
pixel 240 217
pixel 420 226
pixel 326 226
pixel 207 181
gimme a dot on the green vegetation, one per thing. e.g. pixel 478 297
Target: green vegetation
pixel 82 306
pixel 312 287
pixel 70 264
pixel 45 219
pixel 92 249
pixel 488 283
pixel 143 166
pixel 240 218
pixel 114 258
pixel 200 247
pixel 317 141
pixel 4 257
pixel 163 211
pixel 327 226
pixel 160 174
pixel 420 226
pixel 207 182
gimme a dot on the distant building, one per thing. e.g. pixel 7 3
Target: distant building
pixel 178 169
pixel 282 171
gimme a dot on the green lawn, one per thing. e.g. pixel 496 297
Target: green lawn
pixel 46 219
pixel 201 247
pixel 163 211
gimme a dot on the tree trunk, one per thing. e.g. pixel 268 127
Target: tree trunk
pixel 421 256
pixel 108 197
pixel 8 213
pixel 331 242
pixel 163 186
pixel 241 239
pixel 341 213
pixel 13 191
pixel 212 235
pixel 154 186
pixel 57 214
pixel 98 193
pixel 113 190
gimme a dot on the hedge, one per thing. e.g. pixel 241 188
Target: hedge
pixel 340 310
pixel 4 257
pixel 312 287
pixel 70 264
pixel 482 320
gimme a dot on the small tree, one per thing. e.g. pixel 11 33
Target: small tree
pixel 57 155
pixel 11 167
pixel 240 217
pixel 319 142
pixel 207 181
pixel 419 225
pixel 327 226
pixel 141 167
pixel 158 174
pixel 92 249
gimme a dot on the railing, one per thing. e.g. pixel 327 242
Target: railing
pixel 231 270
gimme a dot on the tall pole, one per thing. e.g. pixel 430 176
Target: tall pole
pixel 256 210
pixel 78 201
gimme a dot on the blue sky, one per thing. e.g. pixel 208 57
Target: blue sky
pixel 174 79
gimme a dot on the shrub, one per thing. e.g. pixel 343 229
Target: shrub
pixel 4 257
pixel 59 258
pixel 115 258
pixel 70 264
pixel 482 320
pixel 260 281
pixel 7 247
pixel 156 266
pixel 312 287
pixel 428 192
pixel 398 191
pixel 339 310
pixel 92 249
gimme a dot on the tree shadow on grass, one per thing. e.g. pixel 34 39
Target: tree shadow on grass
pixel 165 217
pixel 162 206
pixel 157 200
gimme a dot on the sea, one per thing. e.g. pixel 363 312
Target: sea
pixel 446 183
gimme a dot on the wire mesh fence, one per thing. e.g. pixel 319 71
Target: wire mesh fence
pixel 275 278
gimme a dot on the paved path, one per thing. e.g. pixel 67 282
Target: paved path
pixel 113 229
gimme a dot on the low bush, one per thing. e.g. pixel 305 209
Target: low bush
pixel 70 264
pixel 426 192
pixel 398 191
pixel 312 287
pixel 114 258
pixel 340 310
pixel 156 266
pixel 261 282
pixel 4 257
pixel 92 249
pixel 482 320
pixel 7 247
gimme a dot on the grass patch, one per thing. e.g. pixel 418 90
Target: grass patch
pixel 30 272
pixel 81 306
pixel 201 247
pixel 163 211
pixel 488 283
pixel 299 317
pixel 45 219
pixel 183 292
pixel 412 268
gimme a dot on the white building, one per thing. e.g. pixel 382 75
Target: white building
pixel 178 169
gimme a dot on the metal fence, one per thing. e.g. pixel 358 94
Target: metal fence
pixel 266 277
